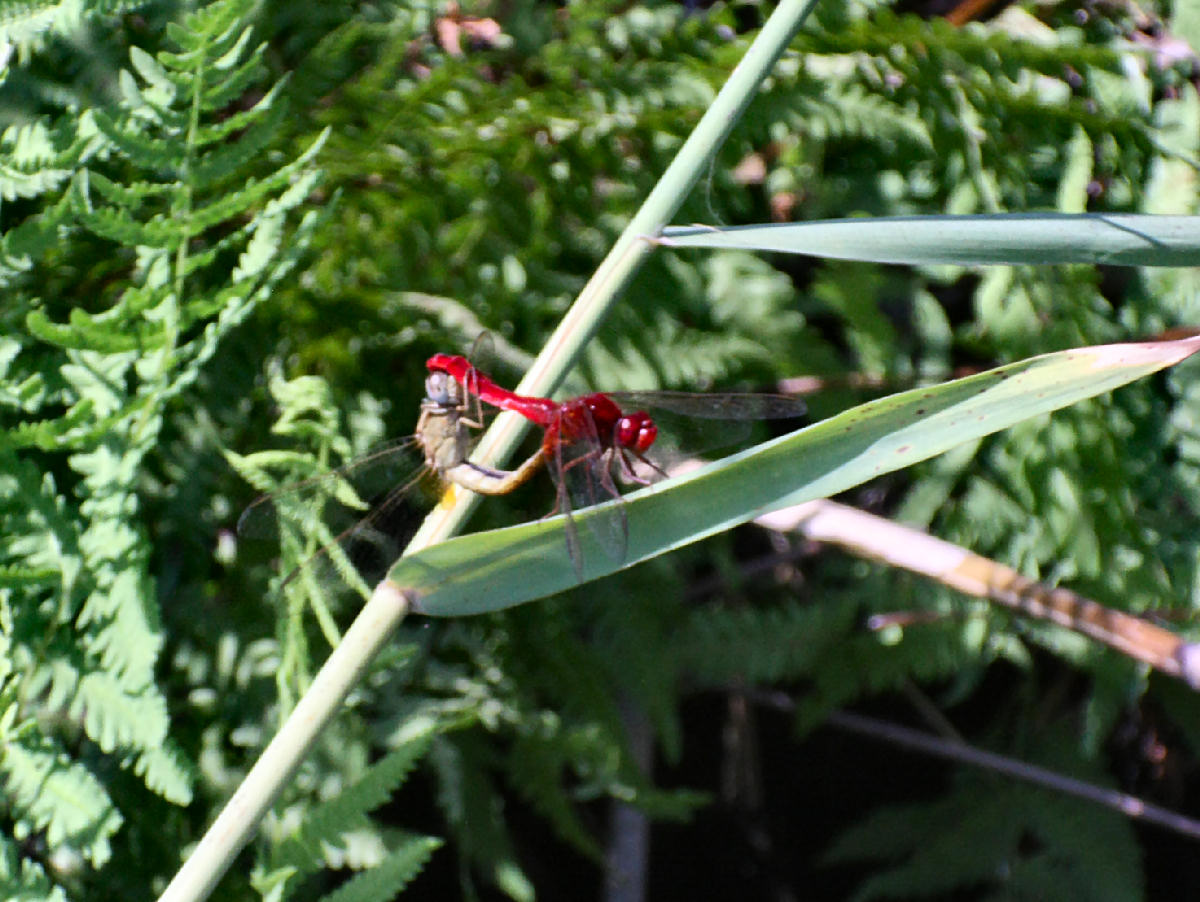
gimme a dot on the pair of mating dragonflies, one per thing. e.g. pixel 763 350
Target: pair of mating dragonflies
pixel 589 444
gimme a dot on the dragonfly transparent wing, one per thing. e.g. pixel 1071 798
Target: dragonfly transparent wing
pixel 691 423
pixel 582 473
pixel 748 406
pixel 352 518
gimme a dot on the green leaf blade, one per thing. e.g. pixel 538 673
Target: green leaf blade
pixel 1010 238
pixel 489 571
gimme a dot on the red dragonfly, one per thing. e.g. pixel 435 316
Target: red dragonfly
pixel 590 441
pixel 442 440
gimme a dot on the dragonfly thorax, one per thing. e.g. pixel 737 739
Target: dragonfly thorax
pixel 442 429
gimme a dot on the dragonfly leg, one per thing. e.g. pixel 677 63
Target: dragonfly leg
pixel 630 475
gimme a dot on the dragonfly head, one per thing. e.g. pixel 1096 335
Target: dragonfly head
pixel 636 432
pixel 442 390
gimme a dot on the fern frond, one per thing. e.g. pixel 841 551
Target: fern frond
pixel 153 154
pixel 762 645
pixel 259 126
pixel 82 334
pixel 130 194
pixel 985 48
pixel 50 792
pixel 329 825
pixel 266 274
pixel 349 809
pixel 253 192
pixel 861 665
pixel 845 109
pixel 14 576
pixel 59 679
pixel 18 392
pixel 473 807
pixel 210 29
pixel 536 765
pixel 391 876
pixel 160 91
pixel 31 163
pixel 119 225
pixel 115 718
pixel 126 637
pixel 980 835
pixel 26 395
pixel 28 241
pixel 983 828
pixel 1071 833
pixel 166 770
pixel 22 880
pixel 235 84
pixel 23 23
pixel 253 117
pixel 39 533
pixel 76 426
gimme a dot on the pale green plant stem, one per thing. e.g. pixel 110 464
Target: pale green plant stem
pixel 383 613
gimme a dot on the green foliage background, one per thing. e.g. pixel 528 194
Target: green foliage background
pixel 255 214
